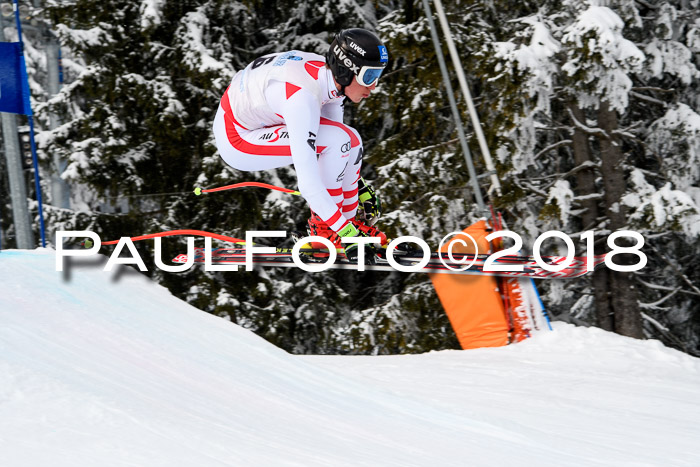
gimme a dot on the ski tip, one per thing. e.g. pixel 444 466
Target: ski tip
pixel 198 191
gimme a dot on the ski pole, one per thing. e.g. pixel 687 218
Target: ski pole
pixel 171 233
pixel 198 191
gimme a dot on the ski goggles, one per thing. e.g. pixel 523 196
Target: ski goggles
pixel 369 75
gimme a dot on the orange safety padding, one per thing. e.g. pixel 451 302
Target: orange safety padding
pixel 473 303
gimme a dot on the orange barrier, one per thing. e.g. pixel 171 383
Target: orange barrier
pixel 473 303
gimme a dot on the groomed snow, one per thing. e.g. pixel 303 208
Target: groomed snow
pixel 108 369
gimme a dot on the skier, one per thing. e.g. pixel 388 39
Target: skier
pixel 287 108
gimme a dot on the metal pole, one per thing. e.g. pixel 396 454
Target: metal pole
pixel 18 188
pixel 467 95
pixel 455 111
pixel 37 182
pixel 60 191
pixel 30 117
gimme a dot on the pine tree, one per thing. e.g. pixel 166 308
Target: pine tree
pixel 585 128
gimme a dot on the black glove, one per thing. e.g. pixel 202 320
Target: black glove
pixel 370 205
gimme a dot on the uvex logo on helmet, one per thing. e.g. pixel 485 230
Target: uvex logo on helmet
pixel 359 49
pixel 343 58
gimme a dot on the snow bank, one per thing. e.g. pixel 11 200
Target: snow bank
pixel 109 369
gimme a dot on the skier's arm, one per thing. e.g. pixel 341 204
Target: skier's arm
pixel 302 113
pixel 333 110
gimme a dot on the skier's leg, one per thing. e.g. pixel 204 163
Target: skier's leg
pixel 341 162
pixel 340 159
pixel 352 176
pixel 250 150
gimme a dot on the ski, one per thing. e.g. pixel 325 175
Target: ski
pixel 457 258
pixel 437 263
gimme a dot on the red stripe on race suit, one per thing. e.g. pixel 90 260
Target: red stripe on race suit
pixel 354 140
pixel 334 218
pixel 265 150
pixel 350 207
pixel 242 145
pixel 350 194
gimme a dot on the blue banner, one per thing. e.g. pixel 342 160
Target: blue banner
pixel 14 86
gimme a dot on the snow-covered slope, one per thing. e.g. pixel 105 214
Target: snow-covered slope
pixel 109 369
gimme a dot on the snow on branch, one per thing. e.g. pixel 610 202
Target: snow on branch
pixel 675 268
pixel 561 194
pixel 585 128
pixel 646 98
pixel 600 59
pixel 657 304
pixel 676 138
pixel 661 207
pixel 151 13
pixel 671 57
pixel 195 44
pixel 552 147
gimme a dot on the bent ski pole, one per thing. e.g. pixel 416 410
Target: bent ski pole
pixel 172 233
pixel 198 191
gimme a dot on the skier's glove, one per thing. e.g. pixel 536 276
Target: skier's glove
pixel 352 250
pixel 370 205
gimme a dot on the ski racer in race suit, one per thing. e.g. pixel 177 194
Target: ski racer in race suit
pixel 287 108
